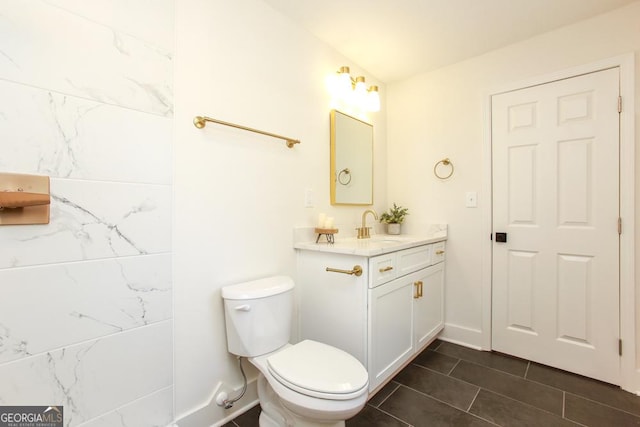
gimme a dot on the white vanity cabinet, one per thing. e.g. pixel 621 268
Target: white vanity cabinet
pixel 383 317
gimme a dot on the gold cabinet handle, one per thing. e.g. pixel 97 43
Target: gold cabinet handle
pixel 440 252
pixel 418 289
pixel 388 268
pixel 357 270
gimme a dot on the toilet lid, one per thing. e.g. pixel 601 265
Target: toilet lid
pixel 319 370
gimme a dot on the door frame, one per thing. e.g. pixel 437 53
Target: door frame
pixel 630 374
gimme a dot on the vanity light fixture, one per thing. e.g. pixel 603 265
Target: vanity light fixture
pixel 355 91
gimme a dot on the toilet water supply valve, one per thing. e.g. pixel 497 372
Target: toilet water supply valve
pixel 222 399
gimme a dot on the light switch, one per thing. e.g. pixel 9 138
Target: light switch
pixel 471 199
pixel 308 198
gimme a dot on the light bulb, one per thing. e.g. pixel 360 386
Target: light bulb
pixel 361 87
pixel 343 85
pixel 360 93
pixel 373 99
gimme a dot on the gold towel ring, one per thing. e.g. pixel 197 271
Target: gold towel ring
pixel 342 180
pixel 444 162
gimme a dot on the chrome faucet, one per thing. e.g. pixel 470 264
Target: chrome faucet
pixel 363 231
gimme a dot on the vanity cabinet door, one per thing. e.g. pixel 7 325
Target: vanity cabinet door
pixel 332 307
pixel 390 329
pixel 428 301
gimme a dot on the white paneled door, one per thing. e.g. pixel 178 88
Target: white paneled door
pixel 555 153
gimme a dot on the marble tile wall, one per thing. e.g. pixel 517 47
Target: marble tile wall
pixel 86 301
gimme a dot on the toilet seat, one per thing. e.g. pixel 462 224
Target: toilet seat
pixel 319 370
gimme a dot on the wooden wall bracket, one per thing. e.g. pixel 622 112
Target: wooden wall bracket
pixel 24 199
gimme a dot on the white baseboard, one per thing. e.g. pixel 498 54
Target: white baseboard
pixel 463 335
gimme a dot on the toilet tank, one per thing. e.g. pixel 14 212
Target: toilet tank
pixel 258 315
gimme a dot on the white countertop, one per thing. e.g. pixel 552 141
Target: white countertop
pixel 376 245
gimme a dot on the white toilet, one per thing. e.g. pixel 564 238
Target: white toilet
pixel 305 384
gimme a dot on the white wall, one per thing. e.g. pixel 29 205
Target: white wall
pixel 238 195
pixel 442 114
pixel 85 301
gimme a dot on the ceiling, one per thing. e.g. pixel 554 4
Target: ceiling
pixel 395 39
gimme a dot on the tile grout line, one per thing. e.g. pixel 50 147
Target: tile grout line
pixel 479 387
pixel 606 405
pixel 502 372
pixel 435 371
pixel 428 396
pixel 454 367
pixel 488 390
pixel 479 363
pixel 388 396
pixel 473 400
pixel 394 416
pixel 582 396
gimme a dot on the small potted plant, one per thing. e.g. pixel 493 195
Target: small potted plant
pixel 394 218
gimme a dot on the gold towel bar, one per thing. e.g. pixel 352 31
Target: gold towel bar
pixel 357 270
pixel 200 121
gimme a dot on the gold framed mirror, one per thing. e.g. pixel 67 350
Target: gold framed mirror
pixel 351 166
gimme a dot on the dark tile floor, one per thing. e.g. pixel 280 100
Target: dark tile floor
pixel 450 385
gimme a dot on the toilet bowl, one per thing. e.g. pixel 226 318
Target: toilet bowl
pixel 305 384
pixel 314 382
